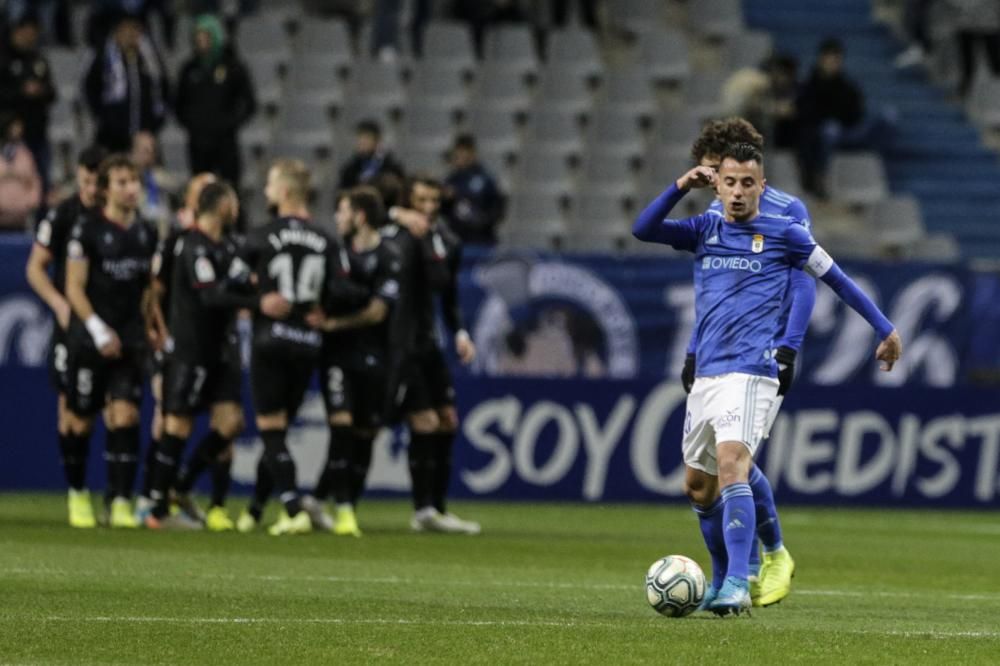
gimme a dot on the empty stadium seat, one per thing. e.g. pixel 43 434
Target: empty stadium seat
pixel 325 40
pixel 428 127
pixel 560 89
pixel 614 130
pixel 608 173
pixel 544 171
pixel 378 84
pixel 316 82
pixel 511 47
pixel 629 90
pixel 494 129
pixel 702 95
pixel 858 179
pixel 663 55
pixel 675 130
pixel 557 131
pixel 748 49
pixel 448 44
pixel 502 88
pixel 896 221
pixel 436 85
pixel 574 50
pixel 717 19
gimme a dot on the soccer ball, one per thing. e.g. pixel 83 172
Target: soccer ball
pixel 675 585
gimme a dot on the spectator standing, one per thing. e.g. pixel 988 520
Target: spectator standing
pixel 370 158
pixel 474 202
pixel 215 98
pixel 976 22
pixel 126 87
pixel 26 88
pixel 20 185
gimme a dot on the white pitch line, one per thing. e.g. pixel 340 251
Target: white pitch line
pixel 515 584
pixel 563 624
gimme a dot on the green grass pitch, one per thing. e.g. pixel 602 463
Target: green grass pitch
pixel 544 584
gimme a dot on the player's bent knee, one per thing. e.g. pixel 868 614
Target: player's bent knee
pixel 341 418
pixel 227 420
pixel 448 419
pixel 78 425
pixel 178 426
pixel 123 414
pixel 426 421
pixel 273 421
pixel 700 487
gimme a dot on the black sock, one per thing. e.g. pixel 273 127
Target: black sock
pixel 441 475
pixel 282 468
pixel 221 478
pixel 421 464
pixel 360 462
pixel 262 489
pixel 168 454
pixel 74 449
pixel 204 455
pixel 111 446
pixel 336 476
pixel 128 460
pixel 148 464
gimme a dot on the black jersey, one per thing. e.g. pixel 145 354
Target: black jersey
pixel 307 267
pixel 163 265
pixel 449 245
pixel 377 271
pixel 119 260
pixel 209 283
pixel 53 231
pixel 423 272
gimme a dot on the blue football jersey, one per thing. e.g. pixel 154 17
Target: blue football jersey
pixel 741 274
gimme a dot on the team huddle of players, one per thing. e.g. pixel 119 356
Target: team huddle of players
pixel 356 304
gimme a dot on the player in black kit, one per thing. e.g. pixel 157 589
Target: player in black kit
pixel 51 237
pixel 423 388
pixel 209 283
pixel 307 269
pixel 354 371
pixel 107 277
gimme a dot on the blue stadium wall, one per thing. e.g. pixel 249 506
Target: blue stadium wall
pixel 613 331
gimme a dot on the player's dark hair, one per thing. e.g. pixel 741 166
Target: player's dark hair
pixel 111 163
pixel 421 179
pixel 831 45
pixel 466 141
pixel 717 135
pixel 213 195
pixel 390 186
pixel 368 126
pixel 90 158
pixel 367 199
pixel 743 152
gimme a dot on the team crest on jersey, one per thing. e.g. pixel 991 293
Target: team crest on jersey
pixel 758 243
pixel 203 270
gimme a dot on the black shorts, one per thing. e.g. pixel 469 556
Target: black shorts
pixel 94 380
pixel 59 360
pixel 190 387
pixel 356 383
pixel 422 381
pixel 279 382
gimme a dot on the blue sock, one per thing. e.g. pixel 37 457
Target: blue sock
pixel 768 525
pixel 740 525
pixel 710 521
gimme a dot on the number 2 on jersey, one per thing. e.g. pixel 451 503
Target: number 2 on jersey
pixel 307 287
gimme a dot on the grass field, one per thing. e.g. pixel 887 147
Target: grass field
pixel 543 584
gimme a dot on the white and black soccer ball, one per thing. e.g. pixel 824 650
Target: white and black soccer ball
pixel 675 585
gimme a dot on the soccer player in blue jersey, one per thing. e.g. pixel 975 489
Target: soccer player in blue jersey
pixel 771 582
pixel 743 260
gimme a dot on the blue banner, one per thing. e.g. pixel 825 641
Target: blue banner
pixel 574 396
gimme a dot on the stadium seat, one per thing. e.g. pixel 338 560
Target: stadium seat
pixel 544 171
pixel 556 131
pixel 608 173
pixel 858 179
pixel 435 84
pixel 748 49
pixel 629 90
pixel 614 130
pixel 265 70
pixel 64 126
pixel 559 88
pixel 702 95
pixel 502 88
pixel 378 84
pixel 602 217
pixel 662 166
pixel 306 123
pixel 675 130
pixel 316 82
pixel 494 129
pixel 172 144
pixel 664 55
pixel 715 19
pixel 448 45
pixel 941 248
pixel 984 102
pixel 325 40
pixel 535 212
pixel 782 172
pixel 264 32
pixel 428 127
pixel 511 47
pixel 256 135
pixel 896 221
pixel 418 158
pixel 636 15
pixel 573 50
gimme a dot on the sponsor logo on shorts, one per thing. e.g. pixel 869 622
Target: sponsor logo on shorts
pixel 731 417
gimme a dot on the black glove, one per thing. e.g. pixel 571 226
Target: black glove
pixel 687 374
pixel 785 356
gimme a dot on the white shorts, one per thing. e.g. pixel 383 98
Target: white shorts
pixel 734 407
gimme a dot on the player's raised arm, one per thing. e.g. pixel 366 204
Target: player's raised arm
pixel 652 224
pixel 813 259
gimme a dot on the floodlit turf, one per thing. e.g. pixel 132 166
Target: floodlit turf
pixel 544 584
